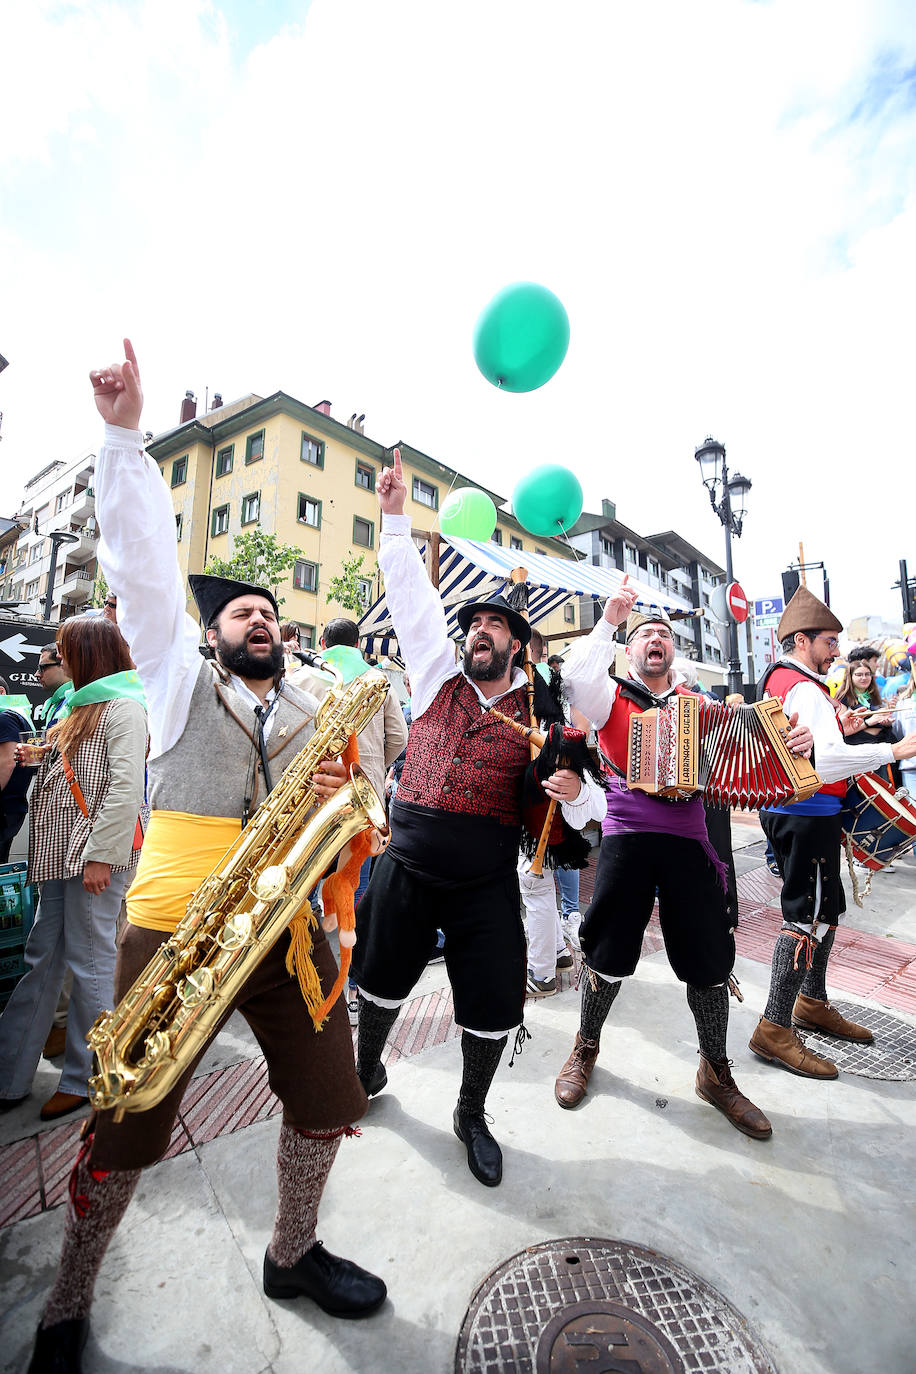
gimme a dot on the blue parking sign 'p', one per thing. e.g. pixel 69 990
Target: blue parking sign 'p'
pixel 772 605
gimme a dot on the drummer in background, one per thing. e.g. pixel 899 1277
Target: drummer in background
pixel 805 837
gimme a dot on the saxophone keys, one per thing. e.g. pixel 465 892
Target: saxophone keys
pixel 158 1046
pixel 236 932
pixel 272 883
pixel 196 988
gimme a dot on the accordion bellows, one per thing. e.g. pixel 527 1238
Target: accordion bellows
pixel 734 755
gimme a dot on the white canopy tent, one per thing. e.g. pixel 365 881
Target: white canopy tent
pixel 470 570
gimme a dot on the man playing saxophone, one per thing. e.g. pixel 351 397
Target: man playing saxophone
pixel 220 733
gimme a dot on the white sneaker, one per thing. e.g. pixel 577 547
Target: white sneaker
pixel 570 927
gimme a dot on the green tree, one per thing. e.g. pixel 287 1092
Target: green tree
pixel 346 588
pixel 256 557
pixel 99 588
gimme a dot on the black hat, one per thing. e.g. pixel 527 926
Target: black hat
pixel 519 626
pixel 213 593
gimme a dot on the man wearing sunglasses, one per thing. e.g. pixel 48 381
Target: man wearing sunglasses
pixel 805 837
pixel 55 684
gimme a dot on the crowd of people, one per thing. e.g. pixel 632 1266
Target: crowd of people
pixel 205 737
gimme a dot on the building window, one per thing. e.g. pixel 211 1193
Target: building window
pixel 251 508
pixel 365 476
pixel 363 532
pixel 62 499
pixel 311 451
pixel 31 589
pixel 569 613
pixel 425 493
pixel 307 636
pixel 305 579
pixel 224 460
pixel 607 547
pixel 543 552
pixel 515 543
pixel 179 525
pixel 497 536
pixel 309 511
pixel 36 552
pixel 180 471
pixel 220 522
pixel 365 591
pixel 254 447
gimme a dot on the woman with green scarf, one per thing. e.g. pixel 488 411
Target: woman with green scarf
pixel 84 843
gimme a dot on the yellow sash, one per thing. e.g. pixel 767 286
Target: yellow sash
pixel 178 852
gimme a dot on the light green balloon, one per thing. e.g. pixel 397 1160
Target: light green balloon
pixel 468 514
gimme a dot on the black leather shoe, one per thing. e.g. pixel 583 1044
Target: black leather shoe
pixel 58 1348
pixel 485 1158
pixel 339 1286
pixel 377 1081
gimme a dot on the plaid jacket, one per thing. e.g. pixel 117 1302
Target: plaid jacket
pixel 58 830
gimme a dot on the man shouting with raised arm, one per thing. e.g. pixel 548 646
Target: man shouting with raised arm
pixel 455 829
pixel 221 732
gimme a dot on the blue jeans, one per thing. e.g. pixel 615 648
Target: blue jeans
pixel 568 883
pixel 72 929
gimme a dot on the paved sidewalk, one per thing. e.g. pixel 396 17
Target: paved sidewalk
pixel 810 1235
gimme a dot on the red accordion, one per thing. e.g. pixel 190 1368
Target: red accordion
pixel 734 755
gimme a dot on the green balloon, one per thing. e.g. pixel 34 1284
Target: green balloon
pixel 521 337
pixel 548 500
pixel 468 514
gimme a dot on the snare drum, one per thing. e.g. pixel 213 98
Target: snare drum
pixel 879 823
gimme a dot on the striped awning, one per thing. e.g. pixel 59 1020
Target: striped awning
pixel 471 571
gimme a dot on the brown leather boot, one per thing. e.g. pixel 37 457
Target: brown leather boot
pixel 716 1086
pixel 811 1014
pixel 570 1086
pixel 785 1046
pixel 56 1042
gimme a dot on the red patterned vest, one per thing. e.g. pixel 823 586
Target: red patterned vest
pixel 460 759
pixel 613 737
pixel 778 684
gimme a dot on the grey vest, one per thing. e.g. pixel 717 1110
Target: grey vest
pixel 207 771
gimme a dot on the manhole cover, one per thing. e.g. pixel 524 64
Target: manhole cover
pixel 891 1055
pixel 603 1306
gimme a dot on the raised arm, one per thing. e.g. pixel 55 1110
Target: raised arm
pixel 137 552
pixel 417 612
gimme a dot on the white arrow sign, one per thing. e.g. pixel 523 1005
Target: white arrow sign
pixel 16 648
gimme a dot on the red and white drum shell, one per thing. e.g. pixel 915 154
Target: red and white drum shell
pixel 879 823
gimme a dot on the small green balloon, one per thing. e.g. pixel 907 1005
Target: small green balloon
pixel 548 500
pixel 468 514
pixel 521 337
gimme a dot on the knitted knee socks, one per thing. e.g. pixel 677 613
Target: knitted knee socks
pixel 785 979
pixel 597 1001
pixel 303 1164
pixel 815 984
pixel 98 1200
pixel 374 1024
pixel 710 1012
pixel 480 1060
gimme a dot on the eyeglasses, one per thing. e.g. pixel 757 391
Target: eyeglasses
pixel 43 667
pixel 830 640
pixel 651 634
pixel 111 605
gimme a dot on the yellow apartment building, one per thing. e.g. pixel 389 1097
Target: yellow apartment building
pixel 298 473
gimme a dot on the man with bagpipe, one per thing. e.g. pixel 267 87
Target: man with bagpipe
pixel 805 837
pixel 651 845
pixel 456 824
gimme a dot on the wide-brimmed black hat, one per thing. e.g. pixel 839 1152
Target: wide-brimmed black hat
pixel 213 593
pixel 519 626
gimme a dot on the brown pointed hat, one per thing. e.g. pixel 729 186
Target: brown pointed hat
pixel 651 615
pixel 805 612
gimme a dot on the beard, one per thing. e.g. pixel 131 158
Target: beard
pixel 240 660
pixel 657 667
pixel 490 671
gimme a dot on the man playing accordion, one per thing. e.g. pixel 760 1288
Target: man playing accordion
pixel 651 844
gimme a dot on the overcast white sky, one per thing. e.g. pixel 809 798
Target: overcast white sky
pixel 322 197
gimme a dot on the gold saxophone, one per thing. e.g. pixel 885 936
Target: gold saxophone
pixel 239 911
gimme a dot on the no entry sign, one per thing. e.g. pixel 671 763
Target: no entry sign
pixel 737 602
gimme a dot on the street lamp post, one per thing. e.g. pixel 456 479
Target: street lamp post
pixel 728 498
pixel 57 538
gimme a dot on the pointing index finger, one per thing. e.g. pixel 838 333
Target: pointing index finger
pixel 130 355
pixel 397 464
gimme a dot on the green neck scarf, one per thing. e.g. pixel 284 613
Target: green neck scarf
pixel 20 704
pixel 863 698
pixel 107 689
pixel 348 661
pixel 59 694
